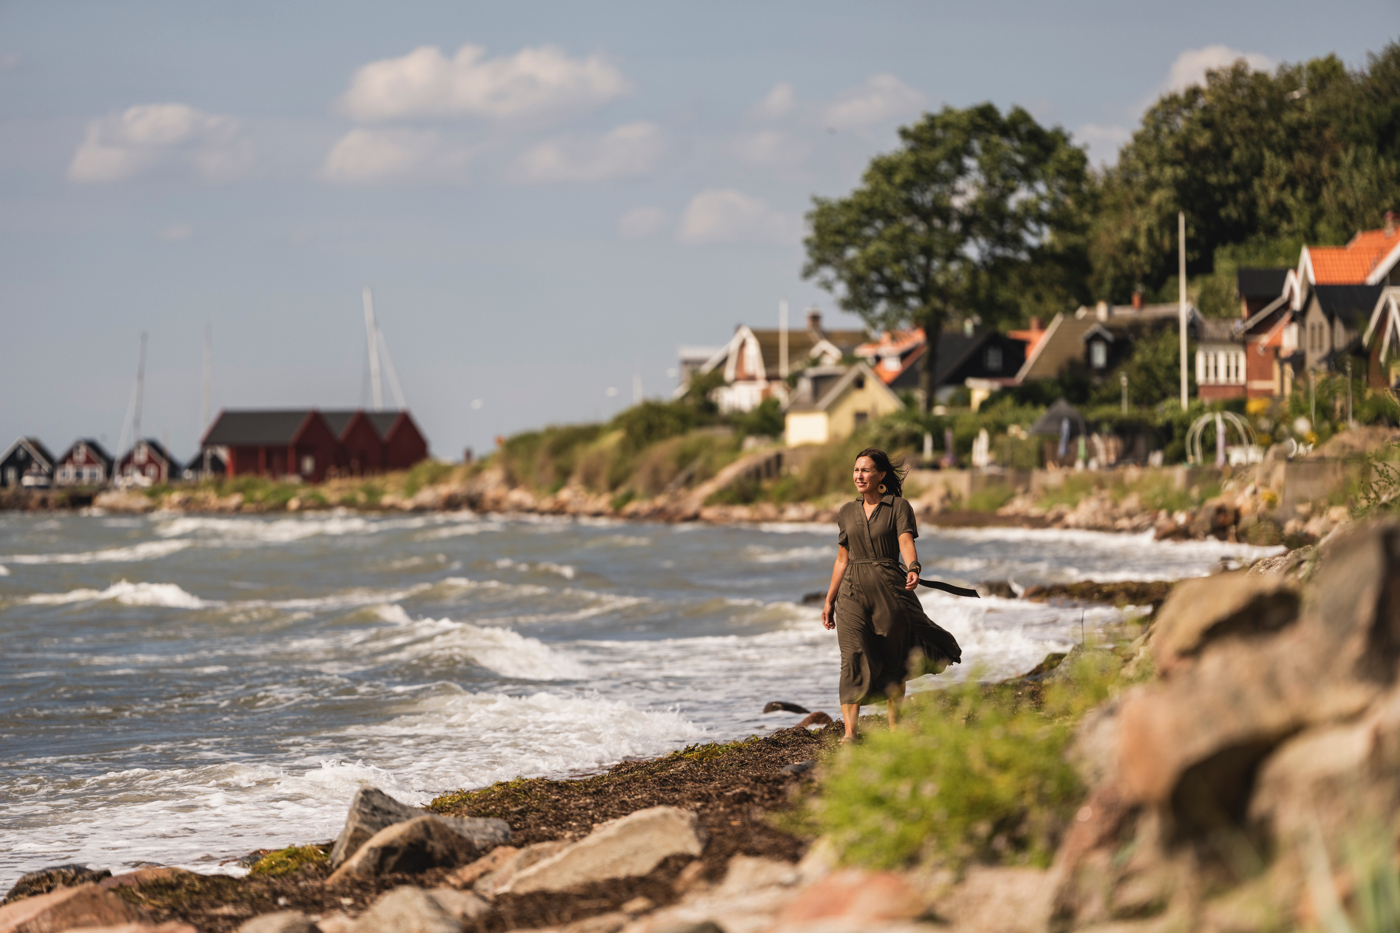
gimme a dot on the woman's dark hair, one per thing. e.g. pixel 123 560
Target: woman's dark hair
pixel 894 472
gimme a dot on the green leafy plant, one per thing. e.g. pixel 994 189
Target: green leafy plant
pixel 288 860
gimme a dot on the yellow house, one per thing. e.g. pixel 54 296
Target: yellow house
pixel 832 402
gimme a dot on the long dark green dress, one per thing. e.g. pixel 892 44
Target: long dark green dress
pixel 880 624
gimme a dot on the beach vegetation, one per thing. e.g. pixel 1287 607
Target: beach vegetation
pixel 289 860
pixel 426 473
pixel 975 773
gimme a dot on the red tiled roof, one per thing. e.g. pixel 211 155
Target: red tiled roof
pixel 1351 264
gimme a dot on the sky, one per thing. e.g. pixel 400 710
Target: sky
pixel 547 199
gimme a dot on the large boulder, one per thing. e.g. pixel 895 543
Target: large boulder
pixel 85 905
pixel 414 846
pixel 372 810
pixel 1202 611
pixel 623 848
pixel 44 880
pixel 488 875
pixel 282 921
pixel 407 910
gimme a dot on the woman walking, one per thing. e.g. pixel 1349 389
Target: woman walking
pixel 884 635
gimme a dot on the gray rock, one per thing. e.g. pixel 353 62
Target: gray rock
pixel 624 848
pixel 1199 612
pixel 487 884
pixel 798 767
pixel 372 810
pixel 414 846
pixel 464 905
pixel 46 879
pixel 283 921
pixel 407 910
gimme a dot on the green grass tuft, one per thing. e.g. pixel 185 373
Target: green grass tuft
pixel 975 773
pixel 288 860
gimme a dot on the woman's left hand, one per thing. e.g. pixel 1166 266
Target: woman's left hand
pixel 912 580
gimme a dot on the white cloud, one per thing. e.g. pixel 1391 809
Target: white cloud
pixel 628 150
pixel 771 149
pixel 156 137
pixel 881 99
pixel 176 232
pixel 642 222
pixel 1191 65
pixel 534 83
pixel 367 157
pixel 779 102
pixel 723 215
pixel 1103 141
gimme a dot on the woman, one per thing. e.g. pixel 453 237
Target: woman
pixel 884 635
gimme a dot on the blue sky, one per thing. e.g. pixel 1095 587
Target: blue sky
pixel 547 198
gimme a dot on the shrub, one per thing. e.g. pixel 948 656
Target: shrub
pixel 425 473
pixel 975 773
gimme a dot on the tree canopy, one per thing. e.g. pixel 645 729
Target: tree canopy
pixel 1260 163
pixel 976 216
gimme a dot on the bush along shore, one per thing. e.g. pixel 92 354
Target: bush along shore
pixel 1230 762
pixel 704 476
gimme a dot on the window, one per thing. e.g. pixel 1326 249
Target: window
pixel 861 418
pixel 308 465
pixel 859 382
pixel 994 359
pixel 1098 354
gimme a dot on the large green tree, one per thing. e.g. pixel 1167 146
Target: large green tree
pixel 1260 163
pixel 978 215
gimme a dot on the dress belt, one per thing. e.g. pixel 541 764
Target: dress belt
pixel 932 584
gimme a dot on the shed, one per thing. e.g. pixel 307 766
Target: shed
pixel 86 463
pixel 295 443
pixel 26 464
pixel 1052 422
pixel 147 463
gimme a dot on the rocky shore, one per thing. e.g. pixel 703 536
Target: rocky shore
pixel 1241 776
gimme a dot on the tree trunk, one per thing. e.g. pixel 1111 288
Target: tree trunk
pixel 927 372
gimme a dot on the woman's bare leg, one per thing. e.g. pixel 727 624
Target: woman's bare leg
pixel 850 712
pixel 895 699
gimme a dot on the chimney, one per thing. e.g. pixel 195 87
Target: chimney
pixel 1389 224
pixel 1103 310
pixel 1035 323
pixel 1137 300
pixel 814 320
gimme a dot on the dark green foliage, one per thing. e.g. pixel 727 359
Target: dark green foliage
pixel 651 421
pixel 764 421
pixel 978 215
pixel 1257 163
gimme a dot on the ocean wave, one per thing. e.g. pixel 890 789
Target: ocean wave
pixel 4 571
pixel 563 570
pixel 168 595
pixel 796 528
pixel 808 552
pixel 146 550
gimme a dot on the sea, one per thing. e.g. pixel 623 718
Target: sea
pixel 184 689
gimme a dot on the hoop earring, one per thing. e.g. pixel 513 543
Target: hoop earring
pixel 882 489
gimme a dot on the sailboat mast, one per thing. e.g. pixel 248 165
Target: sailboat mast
pixel 208 372
pixel 140 388
pixel 371 336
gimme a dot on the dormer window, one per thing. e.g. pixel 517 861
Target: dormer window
pixel 994 359
pixel 1098 354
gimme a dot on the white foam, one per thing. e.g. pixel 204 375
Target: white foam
pixel 796 528
pixel 563 570
pixel 146 550
pixel 794 554
pixel 4 571
pixel 168 595
pixel 500 650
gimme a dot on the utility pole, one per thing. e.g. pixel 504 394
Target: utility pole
pixel 1350 423
pixel 208 373
pixel 1123 380
pixel 1181 294
pixel 372 336
pixel 783 339
pixel 140 387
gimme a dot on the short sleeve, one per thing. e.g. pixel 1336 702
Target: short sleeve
pixel 841 538
pixel 904 518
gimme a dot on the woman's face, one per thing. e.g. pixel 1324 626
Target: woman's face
pixel 866 476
